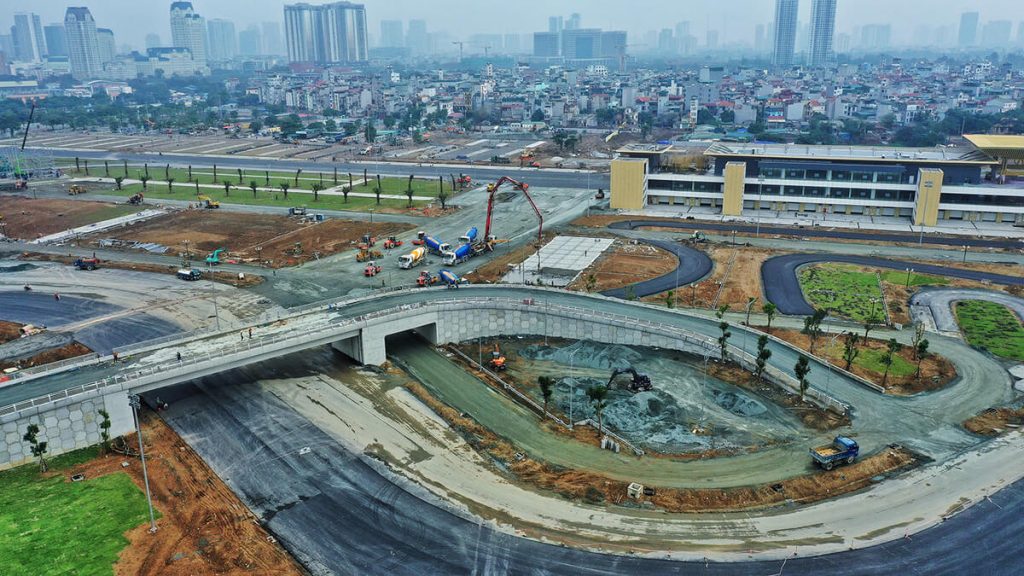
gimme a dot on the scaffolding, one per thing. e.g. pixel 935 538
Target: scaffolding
pixel 35 164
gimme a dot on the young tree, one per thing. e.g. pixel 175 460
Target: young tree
pixel 812 326
pixel 335 175
pixel 918 336
pixel 317 187
pixel 189 172
pixel 720 313
pixel 869 325
pixel 241 175
pixel 591 282
pixel 145 168
pixel 345 191
pixel 144 179
pixel 850 350
pixel 167 172
pixel 297 172
pixel 547 386
pixel 376 191
pixel 891 348
pixel 598 396
pixel 170 185
pixel 197 187
pixel 266 178
pixel 723 340
pixel 442 196
pixel 920 352
pixel 802 369
pixel 253 185
pixel 630 293
pixel 38 448
pixel 763 354
pixel 769 310
pixel 284 188
pixel 227 188
pixel 408 191
pixel 750 305
pixel 669 298
pixel 86 167
pixel 118 180
pixel 106 169
pixel 214 179
pixel 104 431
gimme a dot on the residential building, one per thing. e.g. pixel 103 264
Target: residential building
pixel 56 40
pixel 250 42
pixel 27 36
pixel 271 39
pixel 996 34
pixel 416 38
pixel 188 30
pixel 153 40
pixel 392 34
pixel 222 40
pixel 968 29
pixel 325 34
pixel 106 44
pixel 785 32
pixel 613 44
pixel 83 44
pixel 545 44
pixel 875 36
pixel 823 27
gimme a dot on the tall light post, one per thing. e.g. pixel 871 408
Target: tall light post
pixel 572 385
pixel 133 401
pixel 965 253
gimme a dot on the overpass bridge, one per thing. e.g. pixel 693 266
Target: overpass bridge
pixel 65 399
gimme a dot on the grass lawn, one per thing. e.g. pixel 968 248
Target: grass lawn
pixel 843 290
pixel 900 279
pixel 871 359
pixel 993 327
pixel 52 526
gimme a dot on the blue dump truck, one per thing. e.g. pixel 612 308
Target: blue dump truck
pixel 470 236
pixel 841 450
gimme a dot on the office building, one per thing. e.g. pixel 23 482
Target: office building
pixel 875 36
pixel 574 22
pixel 153 41
pixel 613 44
pixel 416 38
pixel 823 27
pixel 222 42
pixel 513 45
pixel 28 39
pixel 271 39
pixel 83 44
pixel 391 34
pixel 106 44
pixel 329 33
pixel 922 185
pixel 555 24
pixel 56 40
pixel 968 29
pixel 996 34
pixel 188 30
pixel 581 44
pixel 545 44
pixel 785 32
pixel 250 42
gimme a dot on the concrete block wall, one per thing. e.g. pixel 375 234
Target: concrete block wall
pixel 65 427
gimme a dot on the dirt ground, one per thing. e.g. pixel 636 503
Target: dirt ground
pixel 596 489
pixel 995 421
pixel 9 331
pixel 936 371
pixel 742 264
pixel 204 528
pixel 625 264
pixel 215 276
pixel 72 350
pixel 252 237
pixel 30 218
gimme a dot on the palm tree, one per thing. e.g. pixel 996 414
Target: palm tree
pixel 144 178
pixel 850 350
pixel 240 175
pixel 769 309
pixel 170 185
pixel 598 395
pixel 297 172
pixel 802 369
pixel 284 188
pixel 409 192
pixel 118 180
pixel 252 186
pixel 891 348
pixel 547 385
pixel 227 188
pixel 317 187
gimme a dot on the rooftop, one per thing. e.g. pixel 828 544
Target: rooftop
pixel 850 153
pixel 998 146
pixel 638 148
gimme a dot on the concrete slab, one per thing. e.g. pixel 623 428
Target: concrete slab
pixel 560 261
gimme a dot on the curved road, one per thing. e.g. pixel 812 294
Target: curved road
pixel 783 288
pixel 939 303
pixel 820 232
pixel 693 265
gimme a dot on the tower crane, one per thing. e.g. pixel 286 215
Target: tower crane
pixel 492 189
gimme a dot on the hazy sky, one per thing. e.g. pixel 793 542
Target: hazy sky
pixel 735 19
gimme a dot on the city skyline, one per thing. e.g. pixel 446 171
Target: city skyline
pixel 736 27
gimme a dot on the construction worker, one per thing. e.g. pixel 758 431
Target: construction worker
pixel 56 297
pixel 179 357
pixel 250 333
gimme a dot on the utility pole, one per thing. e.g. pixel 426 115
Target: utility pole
pixel 133 401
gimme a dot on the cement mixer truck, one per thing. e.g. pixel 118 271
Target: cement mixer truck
pixel 470 236
pixel 412 259
pixel 450 279
pixel 459 255
pixel 435 246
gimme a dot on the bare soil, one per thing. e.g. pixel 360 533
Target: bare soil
pixel 936 371
pixel 625 264
pixel 215 276
pixel 204 528
pixel 72 350
pixel 735 278
pixel 252 237
pixel 9 331
pixel 29 218
pixel 995 421
pixel 597 489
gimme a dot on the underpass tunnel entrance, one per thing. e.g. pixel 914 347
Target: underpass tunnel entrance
pixel 419 336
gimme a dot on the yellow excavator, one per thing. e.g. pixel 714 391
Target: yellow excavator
pixel 208 202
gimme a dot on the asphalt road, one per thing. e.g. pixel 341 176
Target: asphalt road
pixel 939 303
pixel 815 232
pixel 535 176
pixel 693 265
pixel 42 309
pixel 338 515
pixel 782 287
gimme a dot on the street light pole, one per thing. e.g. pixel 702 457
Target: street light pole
pixel 965 253
pixel 133 401
pixel 572 384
